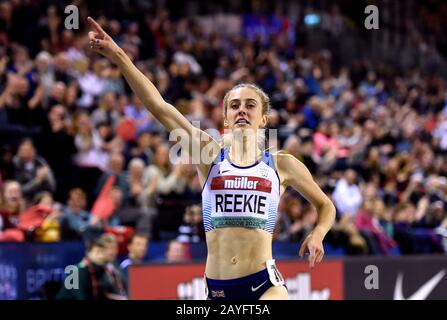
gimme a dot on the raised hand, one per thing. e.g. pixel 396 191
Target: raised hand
pixel 101 42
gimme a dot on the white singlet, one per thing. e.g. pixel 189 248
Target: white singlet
pixel 235 196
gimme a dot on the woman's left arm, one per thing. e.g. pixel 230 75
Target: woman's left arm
pixel 294 173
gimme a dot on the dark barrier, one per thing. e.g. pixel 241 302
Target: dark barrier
pixel 185 281
pixel 24 268
pixel 401 278
pixel 369 278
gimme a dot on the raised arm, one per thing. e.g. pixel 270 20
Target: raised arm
pixel 293 173
pixel 167 114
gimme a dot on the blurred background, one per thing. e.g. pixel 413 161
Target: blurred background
pixel 85 174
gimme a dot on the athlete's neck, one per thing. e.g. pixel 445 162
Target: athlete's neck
pixel 244 150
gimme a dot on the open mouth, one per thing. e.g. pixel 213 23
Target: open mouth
pixel 242 121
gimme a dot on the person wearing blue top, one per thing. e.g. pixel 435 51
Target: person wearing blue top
pixel 137 248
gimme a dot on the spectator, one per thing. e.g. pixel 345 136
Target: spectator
pixel 90 146
pixel 175 252
pixel 12 205
pixel 45 73
pixel 142 149
pixel 190 230
pixel 6 165
pixel 58 148
pixel 112 267
pixel 154 178
pixel 75 219
pixel 290 224
pixel 107 211
pixel 115 170
pixel 16 106
pixel 135 176
pixel 131 213
pixel 62 69
pixel 367 221
pixel 92 278
pixel 173 190
pixel 347 196
pixel 306 155
pixel 57 94
pixel 106 111
pixel 441 131
pixel 325 139
pixel 137 248
pixel 92 84
pixel 32 171
pixel 292 145
pixel 411 233
pixel 42 219
pixel 137 112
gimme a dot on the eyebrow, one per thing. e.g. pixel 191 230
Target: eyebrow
pixel 248 99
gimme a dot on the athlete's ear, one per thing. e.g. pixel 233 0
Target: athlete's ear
pixel 264 121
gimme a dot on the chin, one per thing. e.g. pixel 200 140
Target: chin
pixel 243 126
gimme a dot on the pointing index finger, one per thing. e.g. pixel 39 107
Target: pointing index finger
pixel 95 25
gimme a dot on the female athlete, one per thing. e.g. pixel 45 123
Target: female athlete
pixel 241 189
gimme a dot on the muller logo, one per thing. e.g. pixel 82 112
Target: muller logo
pixel 241 183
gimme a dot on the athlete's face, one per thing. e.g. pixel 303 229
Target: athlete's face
pixel 244 110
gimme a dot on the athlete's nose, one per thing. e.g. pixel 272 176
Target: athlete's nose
pixel 242 112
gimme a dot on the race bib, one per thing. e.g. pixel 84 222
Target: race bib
pixel 240 201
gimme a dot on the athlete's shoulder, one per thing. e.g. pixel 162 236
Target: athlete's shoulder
pixel 280 153
pixel 283 158
pixel 288 165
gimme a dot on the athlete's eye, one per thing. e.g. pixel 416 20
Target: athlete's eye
pixel 234 106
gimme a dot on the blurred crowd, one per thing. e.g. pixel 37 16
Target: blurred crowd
pixel 81 156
